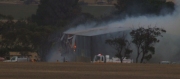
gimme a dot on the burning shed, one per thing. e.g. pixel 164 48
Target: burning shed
pixel 89 42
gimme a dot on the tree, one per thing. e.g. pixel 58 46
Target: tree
pixel 56 12
pixel 41 40
pixel 109 1
pixel 6 25
pixel 14 37
pixel 121 45
pixel 4 52
pixel 28 2
pixel 144 40
pixel 84 18
pixel 25 37
pixel 143 7
pixel 82 2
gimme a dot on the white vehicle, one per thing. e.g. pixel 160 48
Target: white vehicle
pixel 17 59
pixel 165 62
pixel 106 59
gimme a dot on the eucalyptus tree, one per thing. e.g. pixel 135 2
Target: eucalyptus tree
pixel 121 45
pixel 145 40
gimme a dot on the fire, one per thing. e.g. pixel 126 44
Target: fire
pixel 74 46
pixel 99 54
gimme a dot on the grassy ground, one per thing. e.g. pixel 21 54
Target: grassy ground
pixel 19 11
pixel 87 71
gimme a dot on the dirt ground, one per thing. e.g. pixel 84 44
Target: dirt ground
pixel 88 71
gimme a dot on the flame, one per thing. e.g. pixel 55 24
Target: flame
pixel 74 46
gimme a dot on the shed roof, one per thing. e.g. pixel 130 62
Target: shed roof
pixel 97 30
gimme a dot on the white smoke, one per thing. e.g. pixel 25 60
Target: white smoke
pixel 168 47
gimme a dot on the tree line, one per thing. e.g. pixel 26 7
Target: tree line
pixel 39 32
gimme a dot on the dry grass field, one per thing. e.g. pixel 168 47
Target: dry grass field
pixel 88 71
pixel 19 11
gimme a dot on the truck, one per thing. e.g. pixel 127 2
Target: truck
pixel 106 59
pixel 18 59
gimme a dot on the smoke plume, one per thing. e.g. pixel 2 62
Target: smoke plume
pixel 167 48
